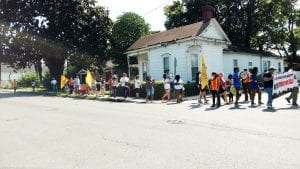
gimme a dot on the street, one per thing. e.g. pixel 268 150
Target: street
pixel 38 132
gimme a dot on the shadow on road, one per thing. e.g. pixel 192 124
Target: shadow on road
pixel 4 95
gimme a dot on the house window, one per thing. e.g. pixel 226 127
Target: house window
pixel 166 65
pixel 267 65
pixel 249 65
pixel 144 70
pixel 235 63
pixel 194 65
pixel 279 66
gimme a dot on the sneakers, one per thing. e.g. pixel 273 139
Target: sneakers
pixel 295 104
pixel 269 106
pixel 288 100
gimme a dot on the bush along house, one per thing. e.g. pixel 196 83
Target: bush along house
pixel 179 51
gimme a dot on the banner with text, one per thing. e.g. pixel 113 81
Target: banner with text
pixel 284 83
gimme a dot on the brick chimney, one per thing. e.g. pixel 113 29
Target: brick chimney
pixel 207 13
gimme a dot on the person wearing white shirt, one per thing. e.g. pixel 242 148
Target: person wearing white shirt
pixel 294 94
pixel 178 86
pixel 77 84
pixel 137 86
pixel 167 87
pixel 54 85
pixel 125 85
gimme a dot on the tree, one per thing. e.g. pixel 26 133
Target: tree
pixel 128 28
pixel 54 31
pixel 250 24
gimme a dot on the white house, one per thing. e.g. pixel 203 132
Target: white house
pixel 8 74
pixel 179 51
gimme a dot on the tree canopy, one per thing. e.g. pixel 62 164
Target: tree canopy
pixel 54 31
pixel 128 28
pixel 250 24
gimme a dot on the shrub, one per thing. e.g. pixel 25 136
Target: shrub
pixel 46 81
pixel 27 79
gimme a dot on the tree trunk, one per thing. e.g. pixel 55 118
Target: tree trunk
pixel 56 67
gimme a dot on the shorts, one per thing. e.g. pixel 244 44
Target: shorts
pixel 178 91
pixel 150 91
pixel 203 90
pixel 137 90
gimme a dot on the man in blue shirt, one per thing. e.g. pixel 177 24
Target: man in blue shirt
pixel 236 83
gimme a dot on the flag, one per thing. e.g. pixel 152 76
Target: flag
pixel 89 78
pixel 63 81
pixel 204 78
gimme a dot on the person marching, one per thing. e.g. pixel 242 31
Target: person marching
pixel 245 75
pixel 268 85
pixel 102 87
pixel 214 88
pixel 125 85
pixel 149 89
pixel 14 85
pixel 167 87
pixel 137 86
pixel 178 86
pixel 237 84
pixel 71 85
pixel 229 86
pixel 254 86
pixel 203 90
pixel 294 95
pixel 222 88
pixel 114 85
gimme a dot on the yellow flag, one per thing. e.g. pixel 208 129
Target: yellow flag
pixel 89 78
pixel 204 78
pixel 63 81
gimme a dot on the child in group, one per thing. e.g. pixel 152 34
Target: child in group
pixel 102 87
pixel 214 88
pixel 137 86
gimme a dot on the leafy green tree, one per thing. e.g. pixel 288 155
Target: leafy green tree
pixel 250 24
pixel 128 28
pixel 54 31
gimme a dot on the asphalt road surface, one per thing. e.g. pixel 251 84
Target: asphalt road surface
pixel 39 132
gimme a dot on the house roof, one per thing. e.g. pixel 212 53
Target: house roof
pixel 241 49
pixel 171 35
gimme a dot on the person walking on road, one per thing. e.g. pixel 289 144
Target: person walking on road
pixel 14 85
pixel 268 85
pixel 214 88
pixel 178 86
pixel 77 85
pixel 237 84
pixel 137 86
pixel 125 85
pixel 54 85
pixel 167 87
pixel 149 89
pixel 114 85
pixel 71 86
pixel 254 87
pixel 294 95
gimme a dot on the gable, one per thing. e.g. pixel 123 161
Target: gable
pixel 214 31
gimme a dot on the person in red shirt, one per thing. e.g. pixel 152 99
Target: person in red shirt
pixel 214 88
pixel 71 85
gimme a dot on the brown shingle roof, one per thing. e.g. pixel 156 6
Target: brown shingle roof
pixel 183 32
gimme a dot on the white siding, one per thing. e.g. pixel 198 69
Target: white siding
pixel 213 54
pixel 245 58
pixel 212 32
pixel 8 74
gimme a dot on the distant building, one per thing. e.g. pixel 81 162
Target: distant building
pixel 8 74
pixel 179 51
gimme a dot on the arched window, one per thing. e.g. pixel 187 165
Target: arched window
pixel 166 63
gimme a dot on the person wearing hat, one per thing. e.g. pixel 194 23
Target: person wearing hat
pixel 268 85
pixel 294 94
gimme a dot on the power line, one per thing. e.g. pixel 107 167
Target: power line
pixel 154 9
